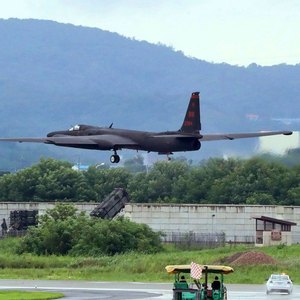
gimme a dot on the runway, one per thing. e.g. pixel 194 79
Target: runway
pixel 88 290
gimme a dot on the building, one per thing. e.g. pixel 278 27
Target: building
pixel 271 231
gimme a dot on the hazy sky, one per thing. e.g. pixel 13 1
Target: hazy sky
pixel 238 32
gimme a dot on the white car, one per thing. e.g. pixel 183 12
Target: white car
pixel 279 283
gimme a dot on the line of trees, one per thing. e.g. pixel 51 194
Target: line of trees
pixel 215 181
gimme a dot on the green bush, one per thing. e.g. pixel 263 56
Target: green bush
pixel 63 231
pixel 104 237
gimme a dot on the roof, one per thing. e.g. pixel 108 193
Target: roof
pixel 174 269
pixel 273 220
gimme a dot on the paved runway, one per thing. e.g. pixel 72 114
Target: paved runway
pixel 88 290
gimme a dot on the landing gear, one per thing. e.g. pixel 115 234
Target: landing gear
pixel 168 156
pixel 115 158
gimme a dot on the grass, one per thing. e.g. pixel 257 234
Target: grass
pixel 141 267
pixel 24 295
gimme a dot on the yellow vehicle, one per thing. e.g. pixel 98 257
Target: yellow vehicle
pixel 202 289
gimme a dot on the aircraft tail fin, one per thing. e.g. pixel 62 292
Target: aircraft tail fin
pixel 191 123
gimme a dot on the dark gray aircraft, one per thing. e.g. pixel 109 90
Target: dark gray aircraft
pixel 187 138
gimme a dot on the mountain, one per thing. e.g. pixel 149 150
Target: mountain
pixel 56 75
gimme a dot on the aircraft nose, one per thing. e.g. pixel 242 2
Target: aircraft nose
pixel 51 134
pixel 54 133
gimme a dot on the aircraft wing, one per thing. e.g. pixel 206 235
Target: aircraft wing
pixel 113 140
pixel 233 136
pixel 107 139
pixel 25 140
pixel 51 140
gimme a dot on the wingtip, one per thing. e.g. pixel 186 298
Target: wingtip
pixel 288 133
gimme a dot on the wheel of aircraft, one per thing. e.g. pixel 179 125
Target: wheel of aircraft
pixel 115 158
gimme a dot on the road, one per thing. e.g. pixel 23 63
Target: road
pixel 89 290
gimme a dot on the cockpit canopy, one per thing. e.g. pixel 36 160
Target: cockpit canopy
pixel 82 127
pixel 75 128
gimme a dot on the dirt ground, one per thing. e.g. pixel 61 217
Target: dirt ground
pixel 249 258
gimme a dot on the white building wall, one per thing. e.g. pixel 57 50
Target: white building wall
pixel 286 238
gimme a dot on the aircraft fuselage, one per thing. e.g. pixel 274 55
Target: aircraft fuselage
pixel 162 142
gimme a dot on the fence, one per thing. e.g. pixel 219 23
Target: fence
pixel 12 233
pixel 195 240
pixel 240 239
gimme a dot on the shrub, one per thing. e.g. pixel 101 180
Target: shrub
pixel 63 231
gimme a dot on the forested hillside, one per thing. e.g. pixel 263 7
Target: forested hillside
pixel 55 75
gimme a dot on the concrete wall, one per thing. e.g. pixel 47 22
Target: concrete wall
pixel 7 207
pixel 236 221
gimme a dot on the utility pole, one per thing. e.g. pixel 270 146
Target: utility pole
pixel 212 223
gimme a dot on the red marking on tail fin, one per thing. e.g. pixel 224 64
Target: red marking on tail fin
pixel 191 123
pixel 188 123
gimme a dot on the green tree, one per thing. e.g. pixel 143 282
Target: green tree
pixel 292 184
pixel 102 182
pixel 293 196
pixel 60 184
pixel 250 180
pixel 48 180
pixel 202 179
pixel 135 164
pixel 160 183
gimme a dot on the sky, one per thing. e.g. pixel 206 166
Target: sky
pixel 237 32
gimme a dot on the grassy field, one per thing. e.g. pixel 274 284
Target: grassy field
pixel 24 295
pixel 141 267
